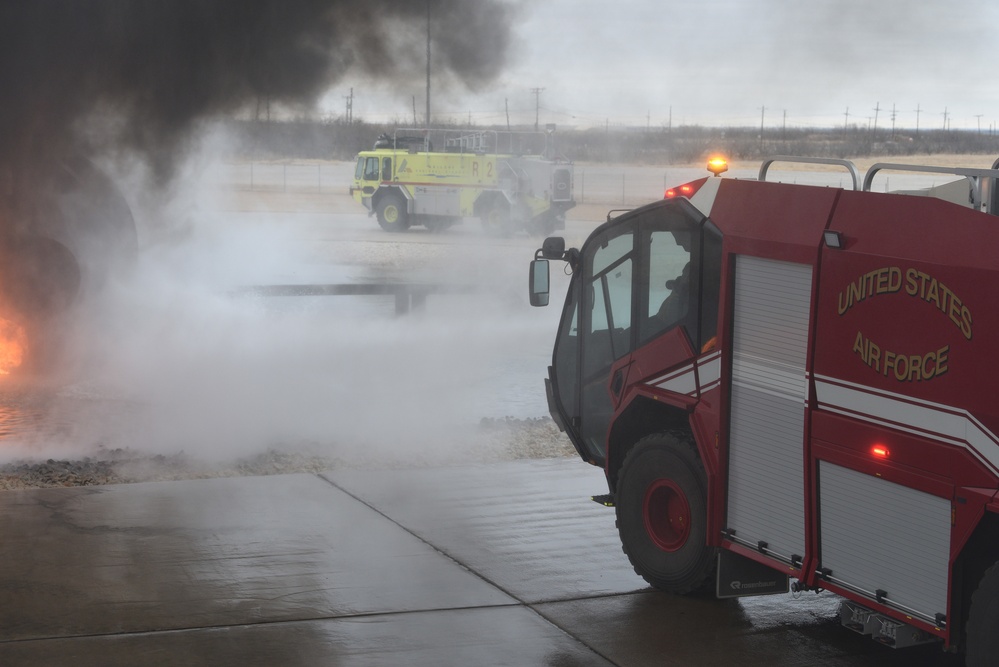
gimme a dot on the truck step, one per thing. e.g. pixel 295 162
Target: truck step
pixel 882 629
pixel 607 500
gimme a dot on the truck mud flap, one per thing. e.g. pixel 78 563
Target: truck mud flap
pixel 740 577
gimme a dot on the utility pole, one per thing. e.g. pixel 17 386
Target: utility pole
pixel 350 106
pixel 918 111
pixel 945 119
pixel 763 111
pixel 893 121
pixel 846 120
pixel 783 129
pixel 428 64
pixel 537 105
pixel 877 108
pixel 979 117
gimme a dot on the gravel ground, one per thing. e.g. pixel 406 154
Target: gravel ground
pixel 494 440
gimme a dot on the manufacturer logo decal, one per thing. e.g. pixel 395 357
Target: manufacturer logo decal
pixel 740 586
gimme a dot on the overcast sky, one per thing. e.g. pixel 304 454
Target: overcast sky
pixel 729 62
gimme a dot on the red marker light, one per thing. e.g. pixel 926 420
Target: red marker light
pixel 880 451
pixel 687 190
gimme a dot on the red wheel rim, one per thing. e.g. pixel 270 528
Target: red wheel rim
pixel 667 515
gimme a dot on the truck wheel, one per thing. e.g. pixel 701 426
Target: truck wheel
pixel 496 220
pixel 392 215
pixel 662 514
pixel 982 642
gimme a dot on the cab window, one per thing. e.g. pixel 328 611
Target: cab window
pixel 670 301
pixel 609 330
pixel 386 169
pixel 371 169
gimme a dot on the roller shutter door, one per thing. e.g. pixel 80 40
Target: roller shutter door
pixel 878 535
pixel 769 391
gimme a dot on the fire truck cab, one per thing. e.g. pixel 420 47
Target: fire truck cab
pixel 797 382
pixel 511 181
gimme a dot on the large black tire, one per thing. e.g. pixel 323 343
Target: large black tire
pixel 392 214
pixel 73 234
pixel 981 647
pixel 662 514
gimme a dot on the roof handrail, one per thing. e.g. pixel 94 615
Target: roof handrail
pixel 974 176
pixel 836 162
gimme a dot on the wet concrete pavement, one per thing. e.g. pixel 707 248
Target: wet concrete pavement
pixel 500 564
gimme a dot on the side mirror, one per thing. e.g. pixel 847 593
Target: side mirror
pixel 538 282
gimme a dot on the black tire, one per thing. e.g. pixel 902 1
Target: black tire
pixel 981 644
pixel 662 514
pixel 392 214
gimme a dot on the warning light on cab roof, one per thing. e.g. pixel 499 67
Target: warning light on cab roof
pixel 880 452
pixel 717 166
pixel 685 190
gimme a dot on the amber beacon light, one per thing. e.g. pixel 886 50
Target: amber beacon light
pixel 717 166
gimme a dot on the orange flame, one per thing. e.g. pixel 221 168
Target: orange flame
pixel 13 345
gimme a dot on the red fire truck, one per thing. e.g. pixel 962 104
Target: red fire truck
pixel 790 382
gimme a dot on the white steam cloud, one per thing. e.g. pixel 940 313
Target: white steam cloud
pixel 167 360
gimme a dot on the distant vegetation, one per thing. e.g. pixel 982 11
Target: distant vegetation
pixel 335 139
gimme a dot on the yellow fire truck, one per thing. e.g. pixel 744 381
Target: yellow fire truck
pixel 510 181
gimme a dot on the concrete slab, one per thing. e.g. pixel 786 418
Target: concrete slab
pixel 508 636
pixel 650 629
pixel 211 553
pixel 505 564
pixel 526 526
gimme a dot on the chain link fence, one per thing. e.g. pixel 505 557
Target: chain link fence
pixel 593 184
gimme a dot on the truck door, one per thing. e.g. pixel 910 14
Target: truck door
pixel 769 393
pixel 606 332
pixel 639 286
pixel 366 174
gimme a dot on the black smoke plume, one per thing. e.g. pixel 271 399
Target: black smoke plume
pixel 158 66
pixel 87 78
